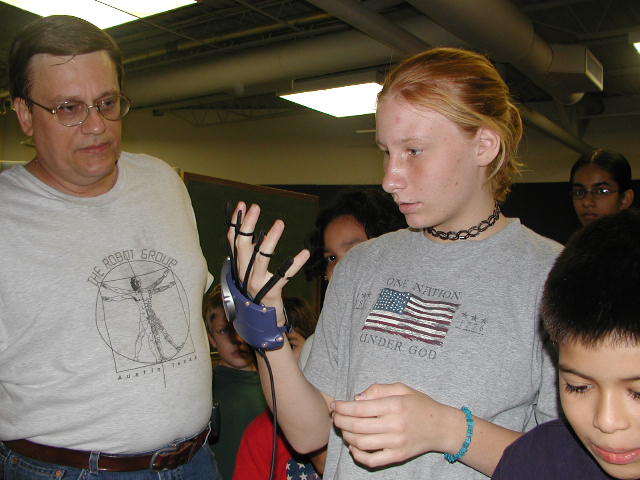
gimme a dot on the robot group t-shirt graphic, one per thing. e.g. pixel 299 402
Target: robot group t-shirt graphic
pixel 142 310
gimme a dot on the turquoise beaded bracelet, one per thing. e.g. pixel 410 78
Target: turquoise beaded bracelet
pixel 467 441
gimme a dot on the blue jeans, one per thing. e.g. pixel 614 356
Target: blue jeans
pixel 17 467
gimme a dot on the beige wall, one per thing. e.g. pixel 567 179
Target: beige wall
pixel 3 126
pixel 302 148
pixel 547 160
pixel 312 148
pixel 10 138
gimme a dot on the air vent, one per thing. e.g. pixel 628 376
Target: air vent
pixel 576 66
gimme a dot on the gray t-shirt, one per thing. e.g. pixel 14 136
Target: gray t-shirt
pixel 102 344
pixel 457 321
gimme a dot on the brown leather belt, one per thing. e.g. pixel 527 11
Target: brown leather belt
pixel 166 458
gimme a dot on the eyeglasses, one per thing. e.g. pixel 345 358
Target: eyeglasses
pixel 598 192
pixel 71 114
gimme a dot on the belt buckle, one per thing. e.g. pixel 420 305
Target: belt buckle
pixel 190 446
pixel 161 451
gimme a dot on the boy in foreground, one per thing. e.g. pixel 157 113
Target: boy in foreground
pixel 591 312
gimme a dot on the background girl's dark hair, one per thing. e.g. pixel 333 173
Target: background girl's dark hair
pixel 373 208
pixel 613 162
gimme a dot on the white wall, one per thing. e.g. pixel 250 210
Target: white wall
pixel 312 148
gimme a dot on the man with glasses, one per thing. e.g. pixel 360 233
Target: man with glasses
pixel 104 362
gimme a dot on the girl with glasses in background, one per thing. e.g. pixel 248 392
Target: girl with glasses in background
pixel 600 185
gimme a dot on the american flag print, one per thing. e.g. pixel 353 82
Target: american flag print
pixel 411 317
pixel 301 471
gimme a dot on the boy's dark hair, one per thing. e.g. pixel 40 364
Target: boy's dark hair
pixel 373 208
pixel 300 315
pixel 62 35
pixel 593 290
pixel 213 299
pixel 610 161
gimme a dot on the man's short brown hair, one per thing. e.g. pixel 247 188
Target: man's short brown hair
pixel 61 35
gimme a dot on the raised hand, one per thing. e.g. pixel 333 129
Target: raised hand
pixel 241 237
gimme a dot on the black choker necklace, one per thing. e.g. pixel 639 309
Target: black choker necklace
pixel 469 233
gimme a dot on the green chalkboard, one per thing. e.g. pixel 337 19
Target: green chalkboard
pixel 209 196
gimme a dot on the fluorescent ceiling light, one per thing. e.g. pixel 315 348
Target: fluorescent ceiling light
pixel 634 39
pixel 340 101
pixel 103 14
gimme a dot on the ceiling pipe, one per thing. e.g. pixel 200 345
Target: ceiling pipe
pixel 498 28
pixel 307 58
pixel 543 124
pixel 378 27
pixel 373 24
pixel 281 62
pixel 211 40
